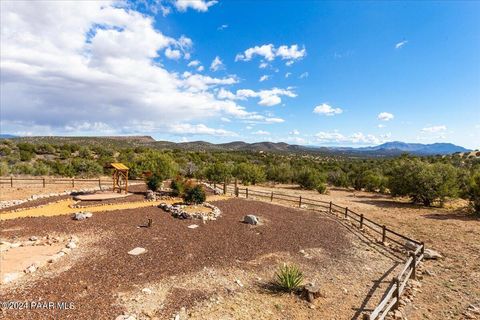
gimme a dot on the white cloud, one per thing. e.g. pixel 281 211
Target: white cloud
pixel 200 129
pixel 336 137
pixel 266 97
pixel 400 44
pixel 224 119
pixel 263 65
pixel 198 5
pixel 434 129
pixel 385 116
pixel 294 132
pixel 173 54
pixel 264 77
pixel 262 133
pixel 107 73
pixel 327 110
pixel 223 27
pixel 303 75
pixel 381 125
pixel 216 64
pixel 269 53
pixel 288 74
pixel 194 63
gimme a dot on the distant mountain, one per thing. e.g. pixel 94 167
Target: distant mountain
pixel 394 148
pixel 418 148
pixel 7 136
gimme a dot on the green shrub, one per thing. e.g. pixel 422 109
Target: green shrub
pixel 288 278
pixel 249 173
pixel 26 155
pixel 474 192
pixel 321 188
pixel 178 187
pixel 154 182
pixel 309 178
pixel 194 195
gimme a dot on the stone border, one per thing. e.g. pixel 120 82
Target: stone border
pixel 178 212
pixel 72 243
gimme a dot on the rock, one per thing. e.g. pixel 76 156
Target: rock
pixel 311 292
pixel 147 291
pixel 66 250
pixel 432 254
pixel 250 219
pixel 193 226
pixel 151 195
pixel 82 215
pixel 71 245
pixel 31 269
pixel 137 251
pixel 240 284
pixel 125 317
pixel 15 245
pixel 33 238
pixel 5 246
pixel 88 214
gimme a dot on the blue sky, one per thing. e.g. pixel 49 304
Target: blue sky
pixel 333 73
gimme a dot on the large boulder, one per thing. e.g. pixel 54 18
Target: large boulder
pixel 250 219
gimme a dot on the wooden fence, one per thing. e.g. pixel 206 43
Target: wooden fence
pixel 72 182
pixel 397 285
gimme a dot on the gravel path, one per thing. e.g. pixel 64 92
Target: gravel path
pixel 93 282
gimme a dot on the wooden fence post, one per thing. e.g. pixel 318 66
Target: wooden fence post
pixel 236 191
pixel 330 208
pixel 397 292
pixel 99 183
pixel 346 212
pixel 414 265
pixel 384 233
pixel 361 221
pixel 44 182
pixel 73 182
pixel 300 202
pixel 246 193
pixel 11 182
pixel 423 248
pixel 214 186
pixel 224 187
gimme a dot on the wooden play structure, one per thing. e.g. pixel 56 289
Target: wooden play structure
pixel 119 177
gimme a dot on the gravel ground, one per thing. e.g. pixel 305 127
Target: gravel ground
pixel 106 269
pixel 35 203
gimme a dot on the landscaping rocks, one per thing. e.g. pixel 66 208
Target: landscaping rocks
pixel 178 211
pixel 251 219
pixel 82 215
pixel 137 251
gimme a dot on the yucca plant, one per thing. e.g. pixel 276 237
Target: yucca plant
pixel 288 278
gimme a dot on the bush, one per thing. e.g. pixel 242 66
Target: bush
pixel 474 192
pixel 26 155
pixel 288 278
pixel 321 188
pixel 309 178
pixel 154 182
pixel 194 195
pixel 249 173
pixel 178 187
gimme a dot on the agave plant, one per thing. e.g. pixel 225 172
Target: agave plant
pixel 288 278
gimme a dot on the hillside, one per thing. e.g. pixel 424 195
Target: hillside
pixel 387 149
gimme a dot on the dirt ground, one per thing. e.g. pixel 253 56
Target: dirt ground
pixel 455 282
pixel 220 270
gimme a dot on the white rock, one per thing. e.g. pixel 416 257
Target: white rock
pixel 31 269
pixel 147 291
pixel 192 226
pixel 239 283
pixel 71 245
pixel 15 245
pixel 66 250
pixel 137 251
pixel 432 254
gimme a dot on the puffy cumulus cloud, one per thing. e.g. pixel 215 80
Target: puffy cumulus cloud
pixel 198 5
pixel 173 54
pixel 267 98
pixel 261 133
pixel 434 129
pixel 335 137
pixel 216 64
pixel 385 116
pixel 269 53
pixel 199 129
pixel 327 110
pixel 96 62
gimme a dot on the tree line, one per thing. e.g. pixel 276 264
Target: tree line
pixel 426 180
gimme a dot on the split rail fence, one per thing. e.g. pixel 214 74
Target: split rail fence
pixel 43 182
pixel 396 288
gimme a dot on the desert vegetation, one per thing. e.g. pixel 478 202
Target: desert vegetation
pixel 425 180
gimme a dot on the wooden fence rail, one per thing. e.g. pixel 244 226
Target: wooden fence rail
pixel 397 285
pixel 12 181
